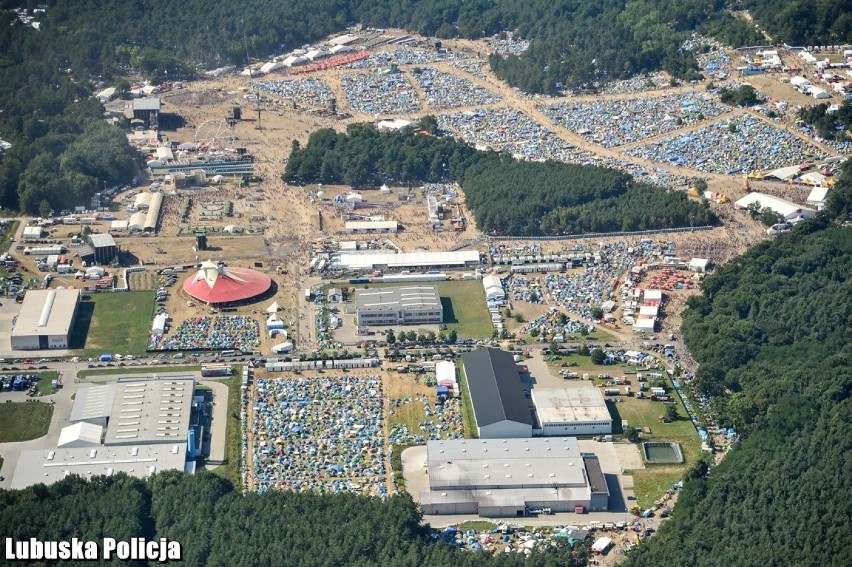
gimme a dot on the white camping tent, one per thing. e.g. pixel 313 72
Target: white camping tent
pixel 274 308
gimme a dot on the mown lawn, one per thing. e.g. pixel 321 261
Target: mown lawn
pixel 24 421
pixel 113 323
pixel 465 311
pixel 650 483
pixel 233 457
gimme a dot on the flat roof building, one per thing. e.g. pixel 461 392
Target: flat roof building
pixel 150 410
pixel 505 477
pixel 353 261
pixel 45 319
pixel 408 305
pixel 371 227
pixel 501 406
pixel 49 466
pixel 572 411
pixel 138 425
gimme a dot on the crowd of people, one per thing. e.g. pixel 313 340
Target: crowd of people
pixel 638 84
pixel 553 323
pixel 740 144
pixel 236 332
pixel 615 122
pixel 319 434
pixel 305 92
pixel 526 289
pixel 582 289
pixel 472 66
pixel 508 130
pixel 406 56
pixel 372 93
pixel 445 90
pixel 444 421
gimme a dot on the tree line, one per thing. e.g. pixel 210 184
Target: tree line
pixel 771 334
pixel 835 125
pixel 217 525
pixel 506 196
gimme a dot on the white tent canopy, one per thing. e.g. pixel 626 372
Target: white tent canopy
pixel 274 308
pixel 785 173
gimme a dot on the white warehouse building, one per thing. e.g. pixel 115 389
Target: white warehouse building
pixel 368 261
pixel 579 410
pixel 506 477
pixel 410 305
pixel 45 319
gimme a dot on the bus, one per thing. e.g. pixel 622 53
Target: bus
pixel 229 352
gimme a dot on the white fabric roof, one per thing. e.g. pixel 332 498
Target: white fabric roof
pixel 80 433
pixel 785 173
pixel 406 260
pixel 781 206
pixel 274 308
pixel 817 195
pixel 813 178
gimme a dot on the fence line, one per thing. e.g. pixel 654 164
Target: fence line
pixel 601 234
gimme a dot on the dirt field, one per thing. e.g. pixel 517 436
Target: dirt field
pixel 284 221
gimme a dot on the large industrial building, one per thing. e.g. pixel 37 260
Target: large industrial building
pixel 371 260
pixel 579 410
pixel 508 477
pixel 137 425
pixel 408 305
pixel 104 247
pixel 45 319
pixel 501 407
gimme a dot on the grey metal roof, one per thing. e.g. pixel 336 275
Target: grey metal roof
pixel 150 103
pixel 101 240
pixel 402 298
pixel 496 390
pixel 596 478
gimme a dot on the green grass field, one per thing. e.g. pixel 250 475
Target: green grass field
pixel 470 421
pixel 231 468
pixel 45 379
pixel 464 306
pixel 24 421
pixel 113 323
pixel 8 235
pixel 650 483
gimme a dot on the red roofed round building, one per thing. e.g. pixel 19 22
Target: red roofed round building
pixel 216 284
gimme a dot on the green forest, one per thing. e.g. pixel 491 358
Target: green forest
pixel 47 75
pixel 218 526
pixel 771 333
pixel 506 196
pixel 831 126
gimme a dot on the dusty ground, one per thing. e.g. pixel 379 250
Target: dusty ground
pixel 287 219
